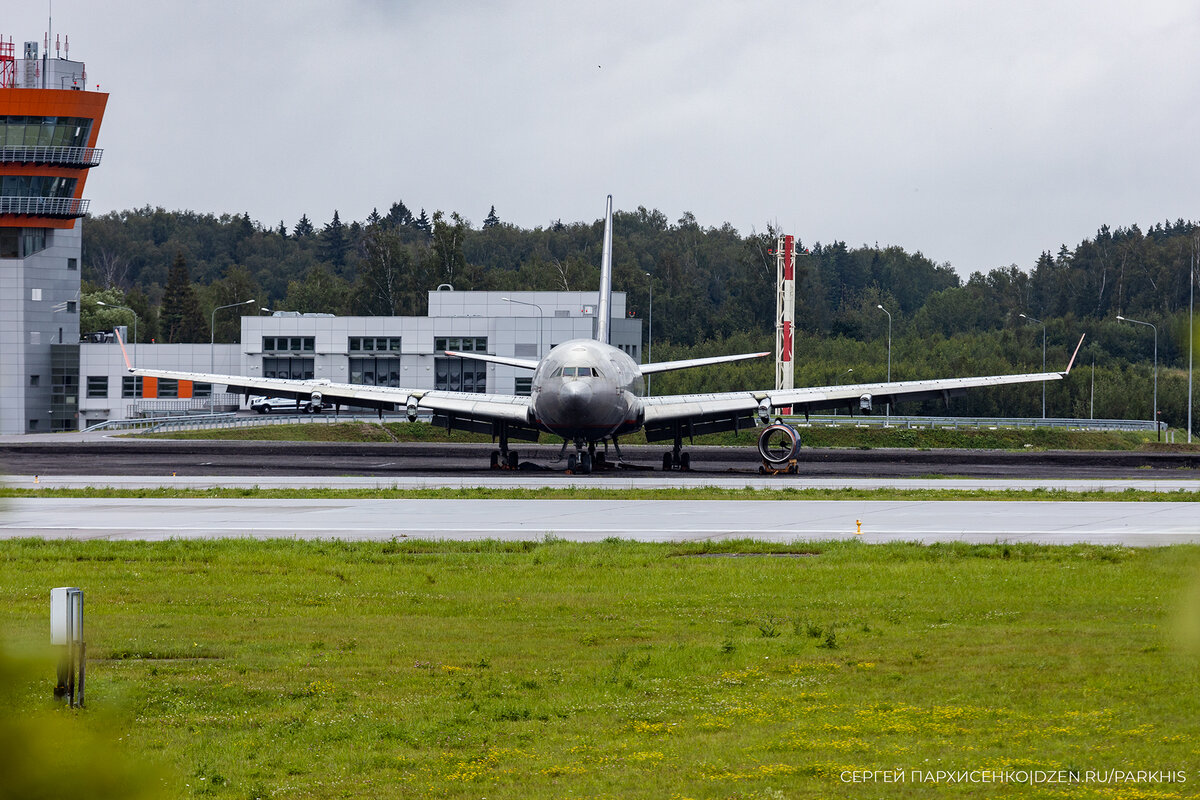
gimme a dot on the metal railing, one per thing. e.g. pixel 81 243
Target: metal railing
pixel 220 402
pixel 38 154
pixel 44 206
pixel 955 423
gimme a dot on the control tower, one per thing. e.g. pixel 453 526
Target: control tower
pixel 49 124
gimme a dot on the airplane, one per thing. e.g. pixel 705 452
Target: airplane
pixel 589 392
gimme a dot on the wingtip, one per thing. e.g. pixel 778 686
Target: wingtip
pixel 124 354
pixel 1071 363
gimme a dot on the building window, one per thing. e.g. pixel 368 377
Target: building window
pixel 72 263
pixel 168 389
pixel 131 386
pixel 33 240
pixel 10 242
pixel 201 390
pixel 33 424
pixel 35 380
pixel 71 307
pixel 375 371
pixel 374 344
pixel 524 387
pixel 97 386
pixel 291 368
pixel 289 344
pixel 465 344
pixel 460 374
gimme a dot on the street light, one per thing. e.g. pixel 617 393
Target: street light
pixel 889 374
pixel 1039 322
pixel 213 328
pixel 650 334
pixel 541 316
pixel 1155 329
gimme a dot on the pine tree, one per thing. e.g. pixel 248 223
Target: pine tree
pixel 303 228
pixel 282 230
pixel 492 220
pixel 422 223
pixel 373 218
pixel 333 241
pixel 180 318
pixel 399 214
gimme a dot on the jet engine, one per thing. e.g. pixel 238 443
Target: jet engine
pixel 778 444
pixel 316 399
pixel 410 409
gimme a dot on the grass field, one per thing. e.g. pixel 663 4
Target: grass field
pixel 280 669
pixel 843 436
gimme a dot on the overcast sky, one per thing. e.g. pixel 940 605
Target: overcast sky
pixel 979 133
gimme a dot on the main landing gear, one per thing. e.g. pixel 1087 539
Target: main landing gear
pixel 677 459
pixel 505 458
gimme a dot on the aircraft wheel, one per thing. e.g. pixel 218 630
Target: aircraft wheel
pixel 571 462
pixel 685 461
pixel 495 460
pixel 667 462
pixel 585 463
pixel 513 461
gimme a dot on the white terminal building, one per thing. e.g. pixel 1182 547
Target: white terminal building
pixel 374 351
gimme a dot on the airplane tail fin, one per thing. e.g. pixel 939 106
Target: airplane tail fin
pixel 604 307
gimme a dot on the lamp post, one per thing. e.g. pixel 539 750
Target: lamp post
pixel 1039 322
pixel 1155 329
pixel 541 316
pixel 889 372
pixel 127 308
pixel 650 334
pixel 1191 333
pixel 212 329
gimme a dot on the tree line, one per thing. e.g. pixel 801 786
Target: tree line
pixel 713 290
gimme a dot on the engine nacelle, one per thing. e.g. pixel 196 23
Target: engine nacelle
pixel 778 443
pixel 864 404
pixel 316 399
pixel 410 409
pixel 764 410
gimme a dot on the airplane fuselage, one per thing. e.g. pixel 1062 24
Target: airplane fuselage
pixel 586 390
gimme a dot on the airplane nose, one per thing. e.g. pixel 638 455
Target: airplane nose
pixel 575 397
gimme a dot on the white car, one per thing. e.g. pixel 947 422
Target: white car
pixel 265 405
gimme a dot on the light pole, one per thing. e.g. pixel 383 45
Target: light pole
pixel 212 339
pixel 1155 329
pixel 541 316
pixel 1039 322
pixel 1191 333
pixel 650 334
pixel 127 308
pixel 889 374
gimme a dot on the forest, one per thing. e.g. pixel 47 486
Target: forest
pixel 713 292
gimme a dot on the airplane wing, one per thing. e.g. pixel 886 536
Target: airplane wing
pixel 687 363
pixel 482 413
pixel 723 411
pixel 522 363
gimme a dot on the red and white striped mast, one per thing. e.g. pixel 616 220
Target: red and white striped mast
pixel 785 314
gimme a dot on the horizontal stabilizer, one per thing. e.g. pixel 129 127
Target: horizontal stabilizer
pixel 688 363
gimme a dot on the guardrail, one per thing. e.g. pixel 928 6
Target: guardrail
pixel 44 154
pixel 894 421
pixel 44 206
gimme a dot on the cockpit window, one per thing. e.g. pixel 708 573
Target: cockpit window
pixel 557 372
pixel 578 372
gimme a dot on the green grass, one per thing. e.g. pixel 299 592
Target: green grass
pixel 815 436
pixel 553 669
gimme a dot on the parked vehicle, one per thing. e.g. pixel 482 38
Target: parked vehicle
pixel 265 405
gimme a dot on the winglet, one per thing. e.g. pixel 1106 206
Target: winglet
pixel 124 355
pixel 1071 363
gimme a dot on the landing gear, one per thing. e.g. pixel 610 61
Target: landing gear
pixel 583 459
pixel 677 458
pixel 505 458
